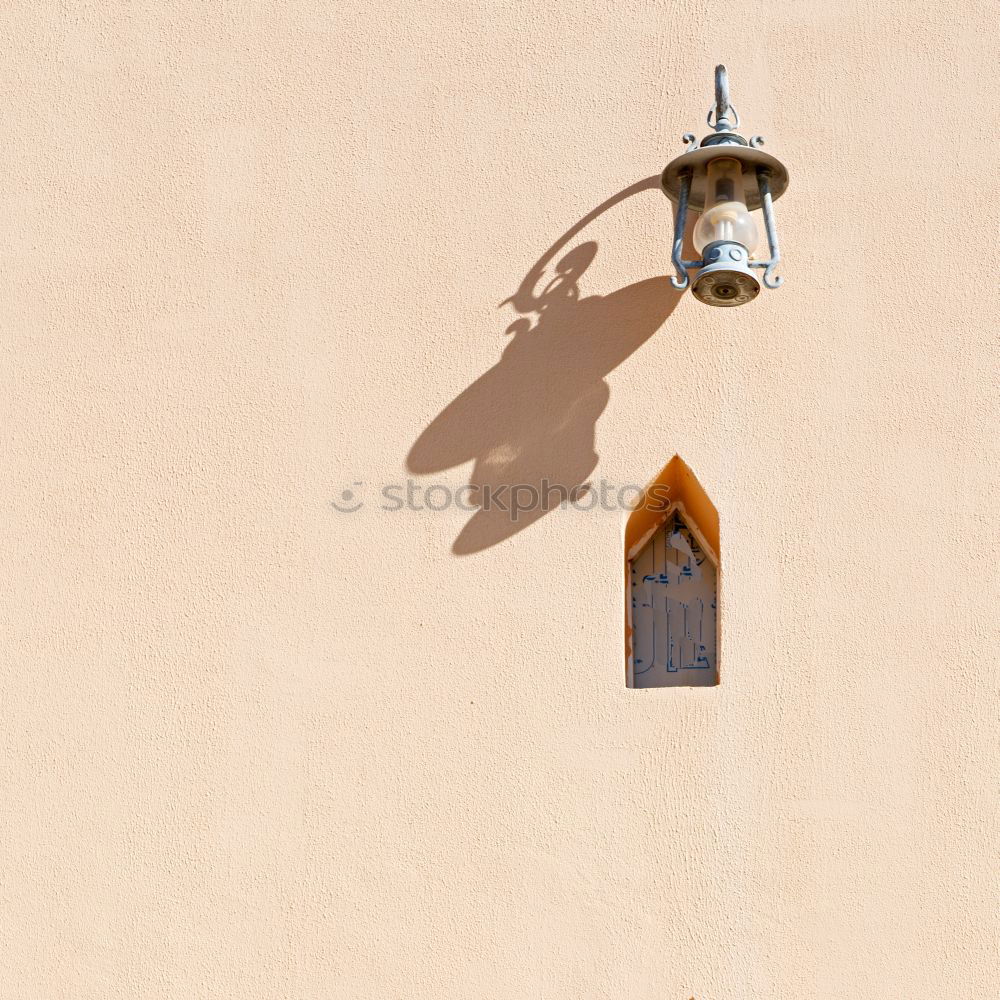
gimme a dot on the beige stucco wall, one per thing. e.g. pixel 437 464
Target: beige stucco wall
pixel 257 748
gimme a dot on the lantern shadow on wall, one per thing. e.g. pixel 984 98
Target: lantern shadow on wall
pixel 531 419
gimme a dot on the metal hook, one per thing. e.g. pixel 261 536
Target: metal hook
pixel 769 280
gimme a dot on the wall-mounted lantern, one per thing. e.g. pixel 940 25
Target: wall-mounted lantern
pixel 724 177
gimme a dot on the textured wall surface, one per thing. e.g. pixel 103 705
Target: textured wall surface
pixel 253 261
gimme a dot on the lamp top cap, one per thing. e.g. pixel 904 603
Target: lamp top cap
pixel 724 120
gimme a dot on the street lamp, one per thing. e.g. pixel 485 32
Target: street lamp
pixel 724 177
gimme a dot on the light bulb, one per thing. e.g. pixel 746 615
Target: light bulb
pixel 725 216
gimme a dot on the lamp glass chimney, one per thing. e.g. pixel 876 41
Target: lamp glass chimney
pixel 725 216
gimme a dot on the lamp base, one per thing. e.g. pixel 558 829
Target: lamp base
pixel 726 278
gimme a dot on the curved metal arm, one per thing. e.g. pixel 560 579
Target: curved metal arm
pixel 764 186
pixel 722 104
pixel 721 91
